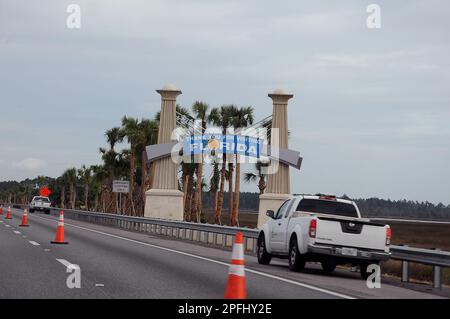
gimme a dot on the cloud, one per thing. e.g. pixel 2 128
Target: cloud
pixel 30 164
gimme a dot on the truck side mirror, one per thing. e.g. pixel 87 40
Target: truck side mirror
pixel 270 213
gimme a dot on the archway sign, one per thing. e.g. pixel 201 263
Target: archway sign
pixel 222 143
pixel 164 200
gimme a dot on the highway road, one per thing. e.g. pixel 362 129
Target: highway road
pixel 116 263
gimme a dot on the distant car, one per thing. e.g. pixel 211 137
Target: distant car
pixel 40 203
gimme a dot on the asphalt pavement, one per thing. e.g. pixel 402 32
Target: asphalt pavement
pixel 116 263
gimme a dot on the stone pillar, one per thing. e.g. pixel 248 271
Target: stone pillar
pixel 164 200
pixel 278 184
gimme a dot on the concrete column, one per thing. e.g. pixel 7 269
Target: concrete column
pixel 164 200
pixel 278 184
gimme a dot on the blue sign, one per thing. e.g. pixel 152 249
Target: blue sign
pixel 219 144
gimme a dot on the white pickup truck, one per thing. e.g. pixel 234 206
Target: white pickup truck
pixel 40 203
pixel 325 229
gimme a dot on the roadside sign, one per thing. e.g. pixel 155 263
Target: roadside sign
pixel 121 186
pixel 44 191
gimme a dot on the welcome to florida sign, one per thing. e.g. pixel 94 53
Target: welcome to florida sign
pixel 223 143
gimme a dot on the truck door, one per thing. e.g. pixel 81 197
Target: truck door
pixel 280 223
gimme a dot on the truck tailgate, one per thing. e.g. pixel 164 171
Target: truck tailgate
pixel 351 233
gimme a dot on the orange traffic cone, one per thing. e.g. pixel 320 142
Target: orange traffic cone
pixel 24 219
pixel 59 238
pixel 8 213
pixel 236 274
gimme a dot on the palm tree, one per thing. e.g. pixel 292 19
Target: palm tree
pixel 187 176
pixel 214 184
pixel 71 179
pixel 114 136
pixel 111 159
pixel 131 130
pixel 100 177
pixel 85 174
pixel 243 118
pixel 62 182
pixel 252 177
pixel 200 110
pixel 222 117
pixel 148 130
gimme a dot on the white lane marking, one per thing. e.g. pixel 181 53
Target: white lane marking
pixel 326 291
pixel 7 225
pixel 64 262
pixel 34 243
pixel 99 285
pixel 17 232
pixel 46 249
pixel 1 221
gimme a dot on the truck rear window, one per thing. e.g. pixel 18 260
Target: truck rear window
pixel 327 207
pixel 42 199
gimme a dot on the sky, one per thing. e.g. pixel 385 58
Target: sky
pixel 371 108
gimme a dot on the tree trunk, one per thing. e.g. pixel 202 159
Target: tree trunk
pixel 218 213
pixel 187 202
pixel 143 184
pixel 230 190
pixel 185 189
pixel 215 200
pixel 198 189
pixel 63 195
pixel 96 202
pixel 211 199
pixel 116 202
pixel 237 189
pixel 193 206
pixel 132 169
pixel 71 197
pixel 74 197
pixel 104 198
pixel 86 196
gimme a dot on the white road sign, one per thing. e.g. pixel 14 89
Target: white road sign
pixel 121 186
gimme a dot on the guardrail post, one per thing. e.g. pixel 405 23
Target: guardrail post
pixel 405 271
pixel 437 275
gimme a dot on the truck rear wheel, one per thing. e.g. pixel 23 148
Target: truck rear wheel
pixel 263 256
pixel 296 260
pixel 328 266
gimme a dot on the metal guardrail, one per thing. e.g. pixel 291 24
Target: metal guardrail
pixel 207 233
pixel 433 257
pixel 223 235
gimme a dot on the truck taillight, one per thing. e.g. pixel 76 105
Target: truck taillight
pixel 312 228
pixel 388 235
